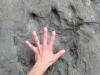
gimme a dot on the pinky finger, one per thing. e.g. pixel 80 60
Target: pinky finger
pixel 31 47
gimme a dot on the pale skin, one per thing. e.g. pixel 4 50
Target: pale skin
pixel 44 55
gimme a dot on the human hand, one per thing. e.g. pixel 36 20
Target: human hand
pixel 43 52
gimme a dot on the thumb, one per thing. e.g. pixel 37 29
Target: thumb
pixel 59 54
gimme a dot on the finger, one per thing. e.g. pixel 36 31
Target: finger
pixel 36 38
pixel 59 54
pixel 37 41
pixel 31 46
pixel 52 38
pixel 45 34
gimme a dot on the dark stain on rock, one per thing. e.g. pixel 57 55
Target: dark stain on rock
pixel 34 15
pixel 73 49
pixel 34 44
pixel 15 41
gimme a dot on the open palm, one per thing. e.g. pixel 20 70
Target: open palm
pixel 43 52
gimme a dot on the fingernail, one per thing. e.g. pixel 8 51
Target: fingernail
pixel 34 33
pixel 54 32
pixel 26 41
pixel 45 28
pixel 63 51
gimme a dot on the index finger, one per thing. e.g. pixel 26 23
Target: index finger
pixel 51 43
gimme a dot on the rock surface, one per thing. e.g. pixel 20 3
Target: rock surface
pixel 77 23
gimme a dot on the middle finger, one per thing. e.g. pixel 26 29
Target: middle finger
pixel 45 33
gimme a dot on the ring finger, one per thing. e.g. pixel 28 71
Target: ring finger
pixel 36 40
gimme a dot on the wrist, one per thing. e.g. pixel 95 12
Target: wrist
pixel 38 69
pixel 42 66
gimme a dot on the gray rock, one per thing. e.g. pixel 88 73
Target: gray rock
pixel 76 22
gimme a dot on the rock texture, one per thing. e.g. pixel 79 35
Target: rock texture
pixel 77 23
